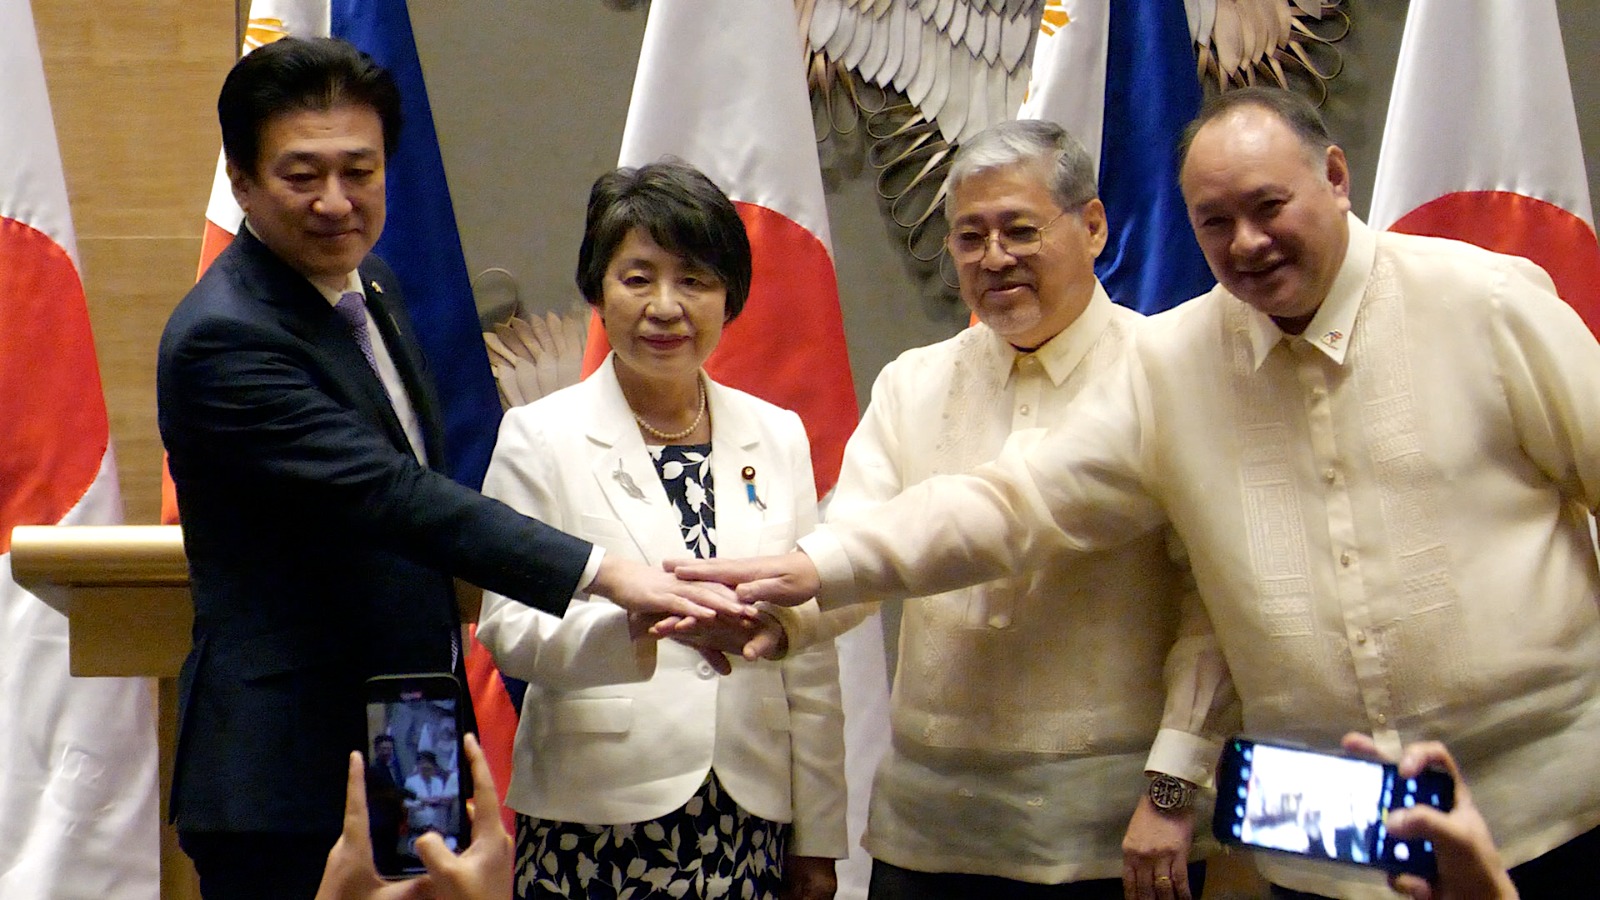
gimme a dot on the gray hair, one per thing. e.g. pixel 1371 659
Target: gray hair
pixel 1070 172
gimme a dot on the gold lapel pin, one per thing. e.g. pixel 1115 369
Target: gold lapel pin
pixel 748 473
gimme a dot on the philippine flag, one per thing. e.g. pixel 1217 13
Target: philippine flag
pixel 1120 76
pixel 78 810
pixel 1481 142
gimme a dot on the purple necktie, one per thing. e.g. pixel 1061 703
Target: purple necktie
pixel 352 306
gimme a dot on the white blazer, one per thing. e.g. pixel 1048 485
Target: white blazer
pixel 595 749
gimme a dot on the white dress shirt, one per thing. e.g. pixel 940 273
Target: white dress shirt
pixel 1386 518
pixel 1024 708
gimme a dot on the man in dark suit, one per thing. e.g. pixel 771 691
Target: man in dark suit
pixel 304 439
pixel 385 801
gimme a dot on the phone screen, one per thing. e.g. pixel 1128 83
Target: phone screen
pixel 414 768
pixel 1322 805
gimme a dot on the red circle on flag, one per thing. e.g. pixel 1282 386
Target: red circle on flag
pixel 1558 241
pixel 55 433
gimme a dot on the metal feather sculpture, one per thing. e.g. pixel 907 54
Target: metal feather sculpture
pixel 921 76
pixel 1240 41
pixel 942 71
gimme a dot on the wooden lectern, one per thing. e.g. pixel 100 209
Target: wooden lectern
pixel 129 613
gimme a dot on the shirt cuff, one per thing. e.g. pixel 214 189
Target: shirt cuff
pixel 799 624
pixel 1184 755
pixel 597 554
pixel 837 576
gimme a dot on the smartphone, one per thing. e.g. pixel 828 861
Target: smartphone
pixel 1318 805
pixel 417 779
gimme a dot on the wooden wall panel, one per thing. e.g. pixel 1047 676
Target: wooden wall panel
pixel 133 88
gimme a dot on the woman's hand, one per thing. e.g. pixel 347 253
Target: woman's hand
pixel 808 878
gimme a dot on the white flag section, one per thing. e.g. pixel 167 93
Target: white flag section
pixel 713 96
pixel 1068 85
pixel 78 810
pixel 1481 142
pixel 721 86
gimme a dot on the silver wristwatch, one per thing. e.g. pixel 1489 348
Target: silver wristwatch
pixel 1169 793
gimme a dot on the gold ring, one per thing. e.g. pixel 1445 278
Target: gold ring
pixel 1163 879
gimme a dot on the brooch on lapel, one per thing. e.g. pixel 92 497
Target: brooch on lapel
pixel 748 473
pixel 629 486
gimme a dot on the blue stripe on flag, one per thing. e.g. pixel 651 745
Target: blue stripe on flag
pixel 421 244
pixel 1151 261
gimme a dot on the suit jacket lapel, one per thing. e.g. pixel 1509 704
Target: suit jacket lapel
pixel 388 313
pixel 735 444
pixel 626 475
pixel 308 314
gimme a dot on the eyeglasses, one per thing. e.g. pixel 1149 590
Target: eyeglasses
pixel 968 245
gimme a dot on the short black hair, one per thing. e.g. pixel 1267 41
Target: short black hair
pixel 293 74
pixel 382 738
pixel 682 210
pixel 1289 107
pixel 430 756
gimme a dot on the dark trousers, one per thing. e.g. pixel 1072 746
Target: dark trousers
pixel 890 882
pixel 257 865
pixel 1553 876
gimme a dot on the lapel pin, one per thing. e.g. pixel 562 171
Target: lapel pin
pixel 376 287
pixel 627 483
pixel 748 473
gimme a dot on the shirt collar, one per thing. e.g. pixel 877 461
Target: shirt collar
pixel 1062 353
pixel 352 281
pixel 1331 328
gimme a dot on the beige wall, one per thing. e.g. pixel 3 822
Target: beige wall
pixel 133 88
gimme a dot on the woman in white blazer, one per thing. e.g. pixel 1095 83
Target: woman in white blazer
pixel 638 771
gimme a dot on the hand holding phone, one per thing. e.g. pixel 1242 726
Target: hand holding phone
pixel 350 873
pixel 483 872
pixel 1469 865
pixel 1322 805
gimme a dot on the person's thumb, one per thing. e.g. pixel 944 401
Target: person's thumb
pixel 432 851
pixel 1412 886
pixel 1418 821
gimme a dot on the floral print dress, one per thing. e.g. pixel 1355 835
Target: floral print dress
pixel 710 847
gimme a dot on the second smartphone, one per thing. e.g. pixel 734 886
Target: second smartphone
pixel 417 773
pixel 1322 805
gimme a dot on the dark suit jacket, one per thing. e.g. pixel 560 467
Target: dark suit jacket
pixel 320 550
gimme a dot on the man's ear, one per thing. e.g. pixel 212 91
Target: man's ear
pixel 240 182
pixel 1338 173
pixel 1094 221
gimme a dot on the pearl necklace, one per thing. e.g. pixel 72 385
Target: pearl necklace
pixel 678 435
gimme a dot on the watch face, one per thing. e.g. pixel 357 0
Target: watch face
pixel 1167 792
